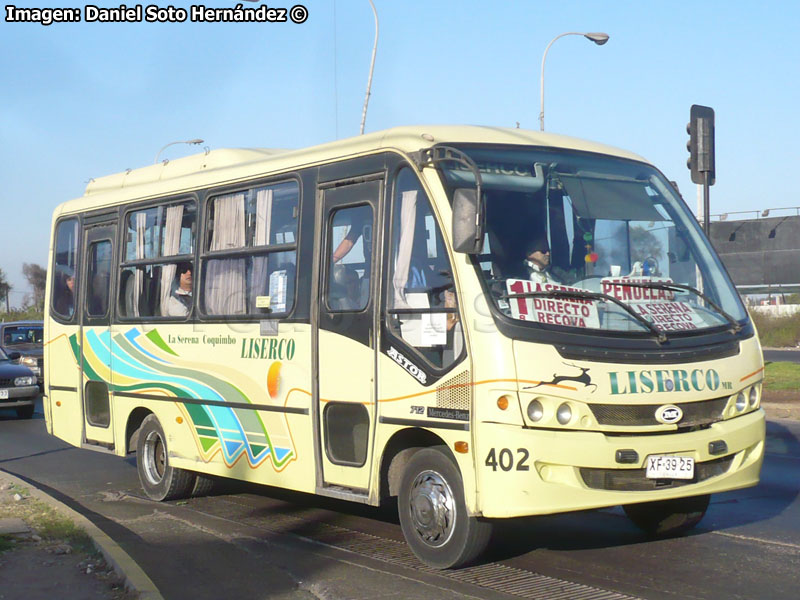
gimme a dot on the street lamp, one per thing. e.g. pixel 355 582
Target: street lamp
pixel 196 141
pixel 371 69
pixel 597 38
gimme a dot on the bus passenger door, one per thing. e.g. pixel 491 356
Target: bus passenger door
pixel 96 335
pixel 345 333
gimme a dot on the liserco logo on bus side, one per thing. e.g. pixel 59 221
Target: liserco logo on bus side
pixel 669 414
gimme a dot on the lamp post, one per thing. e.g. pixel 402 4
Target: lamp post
pixel 597 38
pixel 196 141
pixel 371 69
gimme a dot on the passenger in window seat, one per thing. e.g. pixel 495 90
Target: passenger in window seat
pixel 180 302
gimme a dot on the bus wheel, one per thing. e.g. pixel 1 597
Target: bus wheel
pixel 203 485
pixel 433 514
pixel 668 517
pixel 159 480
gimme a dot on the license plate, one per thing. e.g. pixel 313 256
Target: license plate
pixel 3 394
pixel 670 467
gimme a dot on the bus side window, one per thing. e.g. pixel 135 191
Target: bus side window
pixel 251 251
pixel 154 234
pixel 349 277
pixel 99 277
pixel 64 284
pixel 421 278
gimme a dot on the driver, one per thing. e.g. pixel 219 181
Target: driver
pixel 537 260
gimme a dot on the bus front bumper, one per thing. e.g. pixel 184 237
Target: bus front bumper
pixel 572 470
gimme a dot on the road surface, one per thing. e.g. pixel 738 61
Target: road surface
pixel 256 542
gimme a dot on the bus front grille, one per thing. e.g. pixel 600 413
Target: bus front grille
pixel 694 413
pixel 635 480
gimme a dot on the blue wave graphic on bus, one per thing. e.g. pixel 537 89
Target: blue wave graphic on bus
pixel 134 360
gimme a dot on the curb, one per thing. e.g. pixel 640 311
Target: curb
pixel 124 566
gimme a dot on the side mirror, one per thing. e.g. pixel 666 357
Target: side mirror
pixel 467 221
pixel 14 355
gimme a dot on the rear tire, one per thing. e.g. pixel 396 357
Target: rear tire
pixel 433 514
pixel 25 412
pixel 159 480
pixel 203 485
pixel 668 517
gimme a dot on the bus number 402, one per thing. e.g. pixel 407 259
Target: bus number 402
pixel 505 459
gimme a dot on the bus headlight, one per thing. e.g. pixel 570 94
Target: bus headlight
pixel 564 414
pixel 741 402
pixel 535 410
pixel 753 396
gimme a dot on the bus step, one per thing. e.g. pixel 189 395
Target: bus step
pixel 344 493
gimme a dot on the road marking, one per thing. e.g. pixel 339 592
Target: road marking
pixel 748 538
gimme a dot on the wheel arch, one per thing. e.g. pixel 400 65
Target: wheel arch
pixel 135 418
pixel 399 450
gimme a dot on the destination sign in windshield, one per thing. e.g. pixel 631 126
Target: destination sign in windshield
pixel 656 305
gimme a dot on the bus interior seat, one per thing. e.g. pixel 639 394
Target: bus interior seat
pixel 345 289
pixel 128 287
pixel 150 298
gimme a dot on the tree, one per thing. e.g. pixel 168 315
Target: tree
pixel 37 278
pixel 5 288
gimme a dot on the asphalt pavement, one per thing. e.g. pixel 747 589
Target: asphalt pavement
pixel 782 355
pixel 191 553
pixel 266 543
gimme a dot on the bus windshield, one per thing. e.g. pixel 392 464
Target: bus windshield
pixel 589 241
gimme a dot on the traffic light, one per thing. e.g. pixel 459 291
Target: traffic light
pixel 701 143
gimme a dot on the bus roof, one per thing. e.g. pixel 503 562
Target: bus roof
pixel 227 166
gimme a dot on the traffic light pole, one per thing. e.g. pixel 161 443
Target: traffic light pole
pixel 701 156
pixel 706 205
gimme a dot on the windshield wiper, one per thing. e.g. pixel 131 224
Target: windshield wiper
pixel 660 336
pixel 735 326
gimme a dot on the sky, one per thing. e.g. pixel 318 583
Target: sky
pixel 82 100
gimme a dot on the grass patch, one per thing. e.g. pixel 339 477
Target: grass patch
pixel 6 543
pixel 778 332
pixel 55 527
pixel 782 376
pixel 45 521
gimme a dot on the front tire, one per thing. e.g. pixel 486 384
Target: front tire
pixel 668 517
pixel 159 480
pixel 433 514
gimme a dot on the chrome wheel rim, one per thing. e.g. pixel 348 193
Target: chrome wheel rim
pixel 155 457
pixel 432 508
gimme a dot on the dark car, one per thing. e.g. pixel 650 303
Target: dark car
pixel 25 337
pixel 18 388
